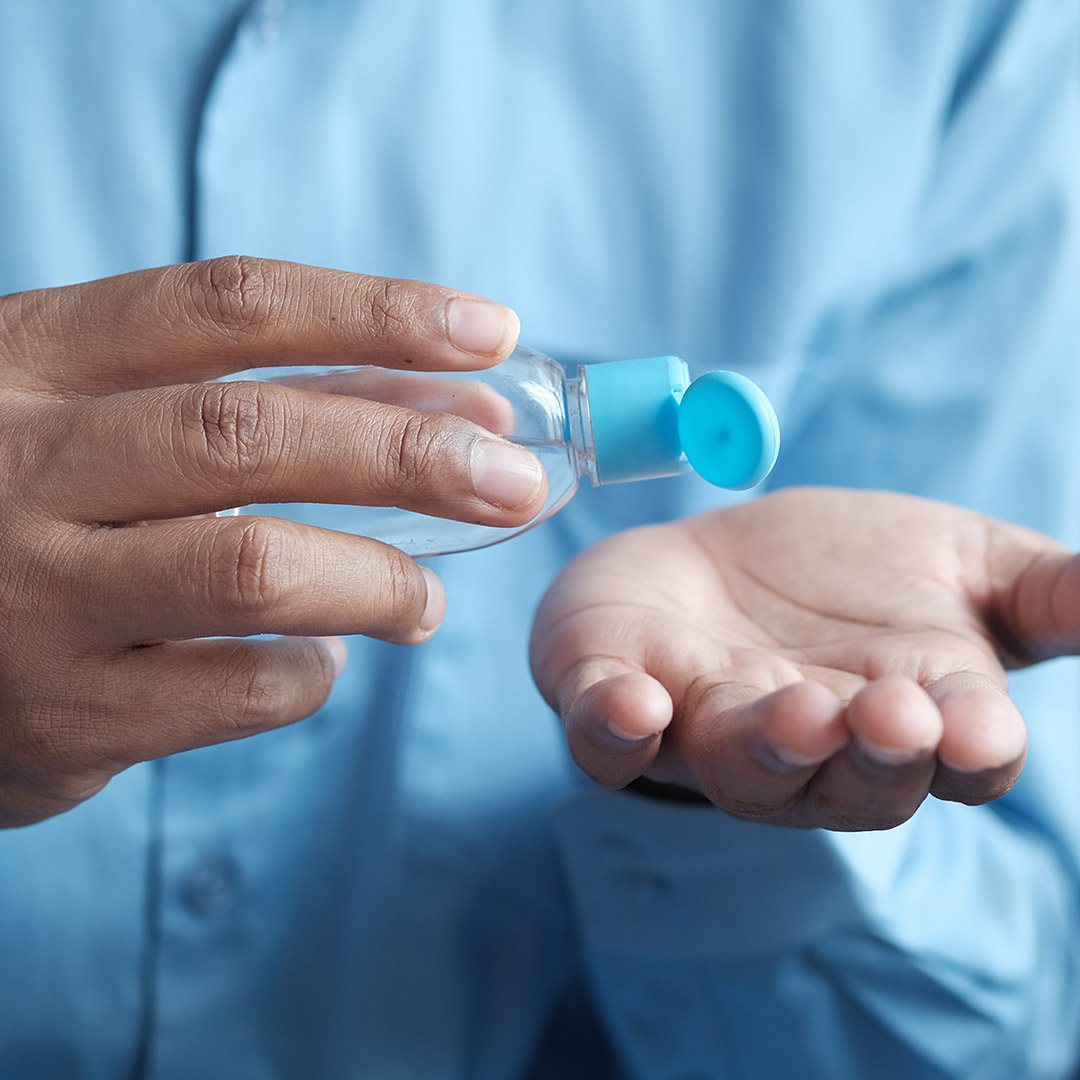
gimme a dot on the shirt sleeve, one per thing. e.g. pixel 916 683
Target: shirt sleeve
pixel 947 947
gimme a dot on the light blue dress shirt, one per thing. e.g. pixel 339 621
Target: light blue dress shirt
pixel 871 207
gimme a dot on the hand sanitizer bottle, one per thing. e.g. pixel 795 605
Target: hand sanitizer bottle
pixel 613 422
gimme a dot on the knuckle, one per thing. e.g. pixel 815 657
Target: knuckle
pixel 404 592
pixel 34 460
pixel 234 428
pixel 28 322
pixel 316 668
pixel 234 294
pixel 386 309
pixel 252 696
pixel 253 567
pixel 414 448
pixel 13 317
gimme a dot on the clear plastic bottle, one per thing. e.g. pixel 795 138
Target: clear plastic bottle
pixel 613 422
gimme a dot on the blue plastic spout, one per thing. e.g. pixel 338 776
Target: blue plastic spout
pixel 648 420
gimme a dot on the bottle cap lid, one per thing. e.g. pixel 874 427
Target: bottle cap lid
pixel 728 430
pixel 648 420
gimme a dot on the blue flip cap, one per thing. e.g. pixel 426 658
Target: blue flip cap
pixel 649 420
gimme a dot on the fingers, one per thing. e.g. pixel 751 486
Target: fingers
pixel 108 417
pixel 249 575
pixel 1035 604
pixel 180 695
pixel 984 743
pixel 797 756
pixel 754 755
pixel 155 701
pixel 203 320
pixel 177 451
pixel 468 398
pixel 884 774
pixel 613 717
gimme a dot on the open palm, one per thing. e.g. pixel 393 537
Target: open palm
pixel 815 657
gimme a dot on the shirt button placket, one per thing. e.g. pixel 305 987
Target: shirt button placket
pixel 268 16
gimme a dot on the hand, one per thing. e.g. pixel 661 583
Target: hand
pixel 813 658
pixel 108 422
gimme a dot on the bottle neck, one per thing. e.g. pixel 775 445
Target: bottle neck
pixel 622 419
pixel 579 427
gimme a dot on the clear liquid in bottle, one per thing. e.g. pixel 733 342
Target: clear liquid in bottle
pixel 613 422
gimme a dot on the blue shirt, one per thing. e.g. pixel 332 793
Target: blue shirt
pixel 871 208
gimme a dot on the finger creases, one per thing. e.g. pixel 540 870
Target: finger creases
pixel 203 320
pixel 180 695
pixel 883 775
pixel 752 752
pixel 250 575
pixel 184 450
pixel 982 728
pixel 613 715
pixel 984 742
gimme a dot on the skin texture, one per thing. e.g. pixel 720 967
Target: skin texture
pixel 117 449
pixel 813 658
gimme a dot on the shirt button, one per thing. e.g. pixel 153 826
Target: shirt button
pixel 212 886
pixel 628 864
pixel 646 883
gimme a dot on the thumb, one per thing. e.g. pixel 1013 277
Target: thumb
pixel 613 716
pixel 1038 608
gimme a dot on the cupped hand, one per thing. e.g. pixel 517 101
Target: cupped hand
pixel 815 657
pixel 117 448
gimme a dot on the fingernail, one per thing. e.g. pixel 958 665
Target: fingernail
pixel 794 760
pixel 889 755
pixel 339 653
pixel 504 474
pixel 959 768
pixel 628 738
pixel 480 326
pixel 435 608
